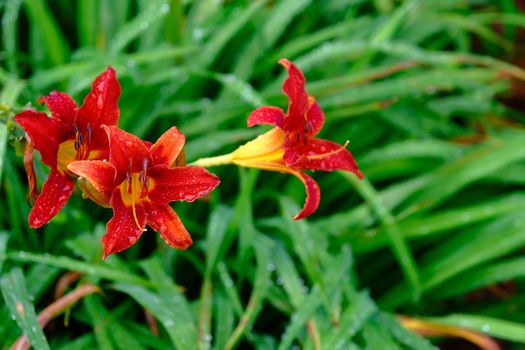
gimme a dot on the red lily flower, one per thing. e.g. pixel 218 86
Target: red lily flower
pixel 140 181
pixel 291 146
pixel 71 133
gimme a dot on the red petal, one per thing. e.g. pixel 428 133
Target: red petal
pixel 45 133
pixel 164 220
pixel 126 151
pixel 319 154
pixel 55 194
pixel 313 196
pixel 62 107
pixel 30 171
pixel 293 87
pixel 100 105
pixel 180 183
pixel 168 147
pixel 99 173
pixel 122 230
pixel 267 115
pixel 315 118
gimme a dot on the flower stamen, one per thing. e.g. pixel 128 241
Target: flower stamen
pixel 327 154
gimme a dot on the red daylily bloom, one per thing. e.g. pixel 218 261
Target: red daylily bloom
pixel 291 146
pixel 70 134
pixel 140 182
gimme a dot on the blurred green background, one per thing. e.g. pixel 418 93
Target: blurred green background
pixel 432 98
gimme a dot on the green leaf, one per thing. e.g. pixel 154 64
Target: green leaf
pixel 502 329
pixel 22 309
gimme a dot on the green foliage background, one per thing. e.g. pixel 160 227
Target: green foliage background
pixel 416 86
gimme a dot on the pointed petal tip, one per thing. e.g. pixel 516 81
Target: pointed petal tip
pixel 285 62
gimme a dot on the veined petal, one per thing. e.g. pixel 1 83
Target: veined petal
pixel 98 173
pixel 168 147
pixel 45 133
pixel 127 152
pixel 315 118
pixel 180 183
pixel 30 171
pixel 267 115
pixel 163 219
pixel 100 105
pixel 55 193
pixel 61 106
pixel 266 147
pixel 313 194
pixel 319 154
pixel 294 88
pixel 122 230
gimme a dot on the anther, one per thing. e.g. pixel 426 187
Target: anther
pixel 80 139
pixel 89 132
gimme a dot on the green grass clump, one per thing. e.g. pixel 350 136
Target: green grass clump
pixel 424 90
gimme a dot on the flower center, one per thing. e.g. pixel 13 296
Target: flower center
pixel 82 141
pixel 76 149
pixel 135 188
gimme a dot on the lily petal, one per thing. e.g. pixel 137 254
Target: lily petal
pixel 267 115
pixel 162 218
pixel 55 193
pixel 293 87
pixel 315 117
pixel 127 151
pixel 30 171
pixel 100 105
pixel 61 106
pixel 266 147
pixel 319 154
pixel 99 173
pixel 180 183
pixel 313 194
pixel 168 147
pixel 45 134
pixel 122 230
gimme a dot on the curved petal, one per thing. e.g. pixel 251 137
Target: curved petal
pixel 45 133
pixel 180 184
pixel 293 87
pixel 61 106
pixel 30 171
pixel 319 154
pixel 164 220
pixel 313 194
pixel 55 193
pixel 267 115
pixel 168 147
pixel 122 230
pixel 127 152
pixel 98 173
pixel 315 118
pixel 101 104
